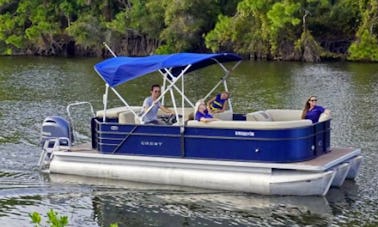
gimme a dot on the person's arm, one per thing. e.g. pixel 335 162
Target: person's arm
pixel 204 119
pixel 166 110
pixel 225 105
pixel 207 118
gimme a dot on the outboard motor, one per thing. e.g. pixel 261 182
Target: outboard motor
pixel 56 127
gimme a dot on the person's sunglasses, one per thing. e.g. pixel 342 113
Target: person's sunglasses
pixel 157 91
pixel 313 100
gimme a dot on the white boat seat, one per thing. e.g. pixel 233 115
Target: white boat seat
pixel 275 115
pixel 284 114
pixel 185 117
pixel 258 116
pixel 226 115
pixel 251 124
pixel 280 115
pixel 114 112
pixel 324 117
pixel 126 117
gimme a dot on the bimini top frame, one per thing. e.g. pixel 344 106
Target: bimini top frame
pixel 118 70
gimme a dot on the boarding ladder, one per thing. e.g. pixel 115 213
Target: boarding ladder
pixel 49 147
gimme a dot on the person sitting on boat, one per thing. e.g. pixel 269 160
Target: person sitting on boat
pixel 312 111
pixel 218 103
pixel 202 114
pixel 151 116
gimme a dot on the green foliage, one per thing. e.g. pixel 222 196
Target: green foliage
pixel 274 27
pixel 41 17
pixel 134 19
pixel 165 49
pixel 119 23
pixel 36 218
pixel 283 13
pixel 3 2
pixel 365 47
pixel 263 28
pixel 186 22
pixel 54 220
pixel 222 35
pixel 281 16
pixel 8 51
pixel 68 9
pixel 307 48
pixel 255 27
pixel 332 20
pixel 151 25
pixel 83 30
pixel 14 40
pixel 9 33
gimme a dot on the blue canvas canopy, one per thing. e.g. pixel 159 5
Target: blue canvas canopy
pixel 118 70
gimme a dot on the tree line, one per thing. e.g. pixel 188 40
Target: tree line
pixel 305 30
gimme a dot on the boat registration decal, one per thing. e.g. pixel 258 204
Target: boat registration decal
pixel 114 128
pixel 151 143
pixel 242 133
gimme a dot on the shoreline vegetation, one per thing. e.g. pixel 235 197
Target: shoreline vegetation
pixel 282 30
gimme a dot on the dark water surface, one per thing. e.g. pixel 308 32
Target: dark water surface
pixel 33 88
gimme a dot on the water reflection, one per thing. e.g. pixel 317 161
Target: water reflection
pixel 138 204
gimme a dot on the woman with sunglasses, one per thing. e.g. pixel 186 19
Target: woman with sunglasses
pixel 312 111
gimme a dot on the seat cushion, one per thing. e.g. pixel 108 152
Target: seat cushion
pixel 284 114
pixel 259 116
pixel 251 124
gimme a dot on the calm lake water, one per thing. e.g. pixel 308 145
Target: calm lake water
pixel 32 88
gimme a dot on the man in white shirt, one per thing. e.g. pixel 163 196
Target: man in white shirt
pixel 151 116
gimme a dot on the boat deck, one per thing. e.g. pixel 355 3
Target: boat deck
pixel 84 147
pixel 321 163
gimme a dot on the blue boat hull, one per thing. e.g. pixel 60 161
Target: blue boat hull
pixel 268 145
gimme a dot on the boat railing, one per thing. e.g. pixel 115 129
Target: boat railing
pixel 124 115
pixel 78 104
pixel 70 116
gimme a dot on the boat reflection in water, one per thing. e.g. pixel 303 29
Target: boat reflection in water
pixel 139 204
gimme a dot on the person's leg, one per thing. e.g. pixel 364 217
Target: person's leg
pixel 160 122
pixel 156 122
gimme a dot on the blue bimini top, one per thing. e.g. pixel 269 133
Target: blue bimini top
pixel 119 70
